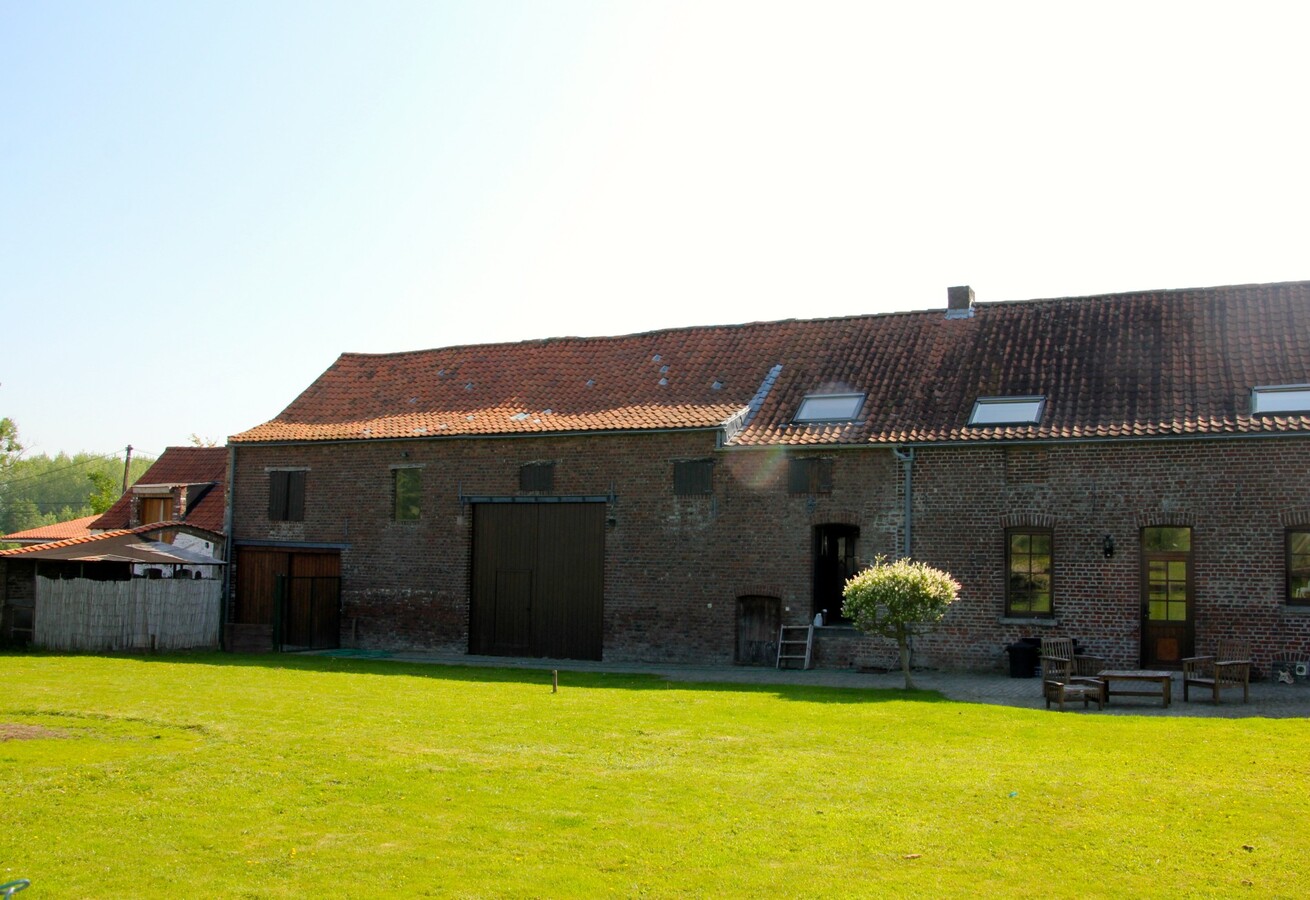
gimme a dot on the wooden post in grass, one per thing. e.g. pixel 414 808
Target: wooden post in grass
pixel 554 681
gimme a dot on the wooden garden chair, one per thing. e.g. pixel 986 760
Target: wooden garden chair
pixel 1084 666
pixel 1229 667
pixel 1059 684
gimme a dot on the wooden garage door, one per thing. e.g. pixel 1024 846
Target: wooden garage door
pixel 538 580
pixel 297 593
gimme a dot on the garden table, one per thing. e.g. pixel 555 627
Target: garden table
pixel 1137 678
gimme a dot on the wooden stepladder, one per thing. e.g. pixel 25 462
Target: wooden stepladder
pixel 795 644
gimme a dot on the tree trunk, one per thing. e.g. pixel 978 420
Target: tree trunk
pixel 903 641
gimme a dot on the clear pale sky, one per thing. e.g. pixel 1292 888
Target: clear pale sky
pixel 203 203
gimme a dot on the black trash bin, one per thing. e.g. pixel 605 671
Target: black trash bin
pixel 1025 657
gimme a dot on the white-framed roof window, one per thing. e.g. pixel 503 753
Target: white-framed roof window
pixel 1280 398
pixel 1007 410
pixel 829 408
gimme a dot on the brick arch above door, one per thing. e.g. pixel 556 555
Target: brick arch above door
pixel 830 516
pixel 1298 517
pixel 1029 520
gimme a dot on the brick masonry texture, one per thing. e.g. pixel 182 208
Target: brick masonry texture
pixel 675 565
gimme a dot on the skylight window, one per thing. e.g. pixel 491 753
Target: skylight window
pixel 829 408
pixel 1007 410
pixel 1284 398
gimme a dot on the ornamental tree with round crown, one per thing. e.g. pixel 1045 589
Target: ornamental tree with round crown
pixel 897 600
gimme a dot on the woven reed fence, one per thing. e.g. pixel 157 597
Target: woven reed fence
pixel 163 613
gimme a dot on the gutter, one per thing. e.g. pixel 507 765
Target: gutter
pixel 1026 442
pixel 311 442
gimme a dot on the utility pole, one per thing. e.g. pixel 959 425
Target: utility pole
pixel 127 465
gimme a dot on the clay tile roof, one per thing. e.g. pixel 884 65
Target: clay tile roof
pixel 1143 364
pixel 60 531
pixel 106 536
pixel 181 466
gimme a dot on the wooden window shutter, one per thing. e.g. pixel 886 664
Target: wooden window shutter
pixel 693 477
pixel 809 475
pixel 537 476
pixel 296 497
pixel 822 483
pixel 286 496
pixel 798 476
pixel 277 496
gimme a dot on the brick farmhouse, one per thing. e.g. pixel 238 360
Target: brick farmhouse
pixel 1132 470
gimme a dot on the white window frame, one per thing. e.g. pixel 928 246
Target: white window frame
pixel 1278 399
pixel 818 412
pixel 1007 411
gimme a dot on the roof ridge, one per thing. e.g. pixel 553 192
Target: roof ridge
pixel 671 330
pixel 1150 292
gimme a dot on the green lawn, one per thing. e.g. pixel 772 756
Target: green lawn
pixel 290 777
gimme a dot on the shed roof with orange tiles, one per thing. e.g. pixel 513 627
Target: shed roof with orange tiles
pixel 1145 364
pixel 44 534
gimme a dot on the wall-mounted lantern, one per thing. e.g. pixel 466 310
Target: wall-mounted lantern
pixel 1107 546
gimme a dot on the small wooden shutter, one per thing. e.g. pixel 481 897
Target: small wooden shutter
pixel 286 496
pixel 823 476
pixel 809 475
pixel 277 496
pixel 296 497
pixel 537 476
pixel 693 476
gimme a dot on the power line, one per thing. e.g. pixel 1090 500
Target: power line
pixel 48 472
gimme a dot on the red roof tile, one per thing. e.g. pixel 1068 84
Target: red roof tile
pixel 181 465
pixel 106 535
pixel 73 528
pixel 1153 363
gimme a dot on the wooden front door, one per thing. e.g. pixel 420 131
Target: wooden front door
pixel 758 621
pixel 1167 601
pixel 538 580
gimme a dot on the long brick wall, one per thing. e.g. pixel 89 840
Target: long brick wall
pixel 674 565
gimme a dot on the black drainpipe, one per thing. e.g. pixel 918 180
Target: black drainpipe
pixel 228 542
pixel 906 456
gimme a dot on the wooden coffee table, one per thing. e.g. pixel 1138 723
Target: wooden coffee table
pixel 1160 684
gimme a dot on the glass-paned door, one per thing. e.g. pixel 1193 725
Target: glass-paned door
pixel 1166 596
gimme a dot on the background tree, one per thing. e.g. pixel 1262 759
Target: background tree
pixel 105 490
pixel 10 448
pixel 898 600
pixel 42 490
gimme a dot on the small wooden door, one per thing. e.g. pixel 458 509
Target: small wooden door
pixel 1167 600
pixel 758 621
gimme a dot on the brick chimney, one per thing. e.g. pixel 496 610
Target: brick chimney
pixel 959 302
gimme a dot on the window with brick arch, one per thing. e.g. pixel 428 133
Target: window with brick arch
pixel 1029 570
pixel 1298 566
